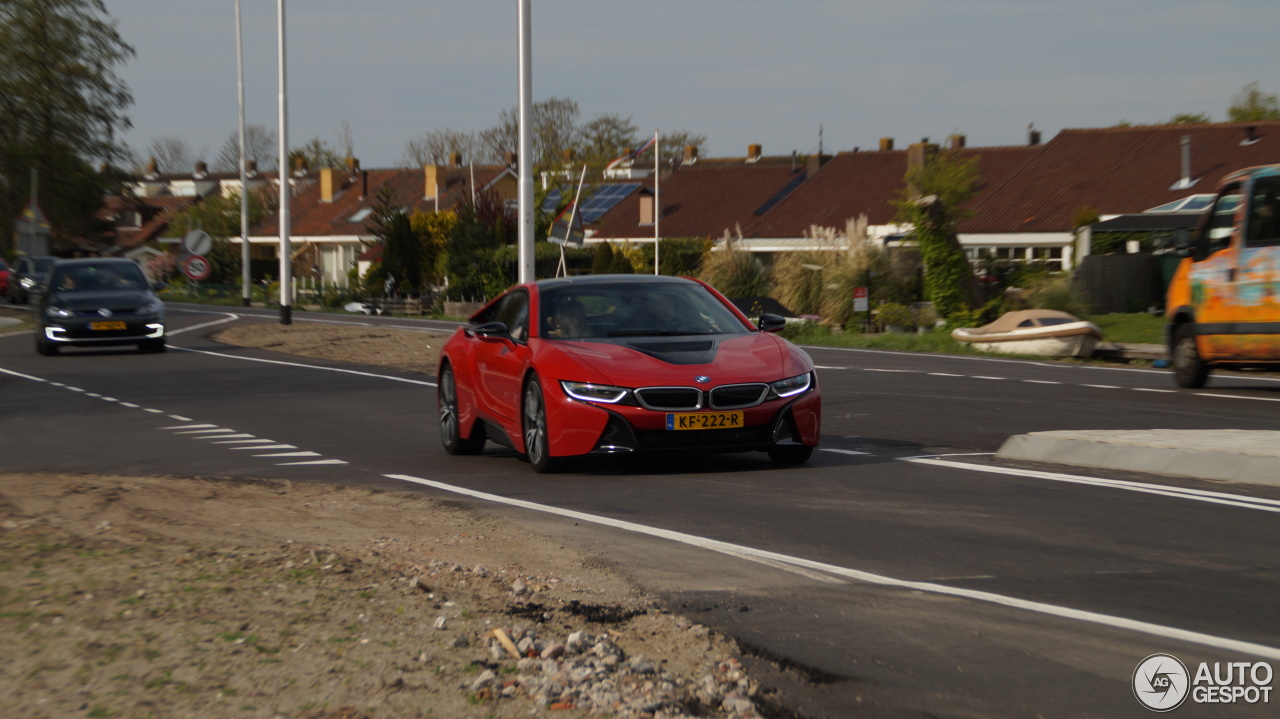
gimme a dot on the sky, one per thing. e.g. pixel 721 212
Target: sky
pixel 737 71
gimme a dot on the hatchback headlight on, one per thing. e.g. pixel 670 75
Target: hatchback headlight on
pixel 27 283
pixel 792 386
pixel 61 313
pixel 588 392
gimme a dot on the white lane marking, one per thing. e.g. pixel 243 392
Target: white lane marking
pixel 1150 389
pixel 1199 495
pixel 110 399
pixel 229 318
pixel 1236 396
pixel 945 374
pixel 1041 381
pixel 1101 386
pixel 818 366
pixel 978 376
pixel 903 371
pixel 318 461
pixel 130 405
pixel 224 437
pixel 270 446
pixel 180 418
pixel 189 426
pixel 309 366
pixel 842 451
pixel 244 441
pixel 1123 623
pixel 73 389
pixel 212 432
pixel 154 411
pixel 268 314
pixel 92 394
pixel 27 376
pixel 287 454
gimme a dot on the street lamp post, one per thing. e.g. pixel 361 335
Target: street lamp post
pixel 286 261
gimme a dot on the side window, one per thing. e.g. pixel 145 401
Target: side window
pixel 1264 204
pixel 514 313
pixel 1217 231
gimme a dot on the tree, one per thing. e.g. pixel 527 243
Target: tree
pixel 61 107
pixel 673 144
pixel 930 203
pixel 603 259
pixel 554 130
pixel 1186 118
pixel 434 148
pixel 219 216
pixel 172 154
pixel 259 146
pixel 318 153
pixel 401 249
pixel 605 138
pixel 1252 104
pixel 483 227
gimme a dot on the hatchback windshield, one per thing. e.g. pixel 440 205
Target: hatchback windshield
pixel 633 310
pixel 98 278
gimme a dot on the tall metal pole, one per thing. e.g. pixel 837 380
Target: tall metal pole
pixel 657 203
pixel 286 251
pixel 526 236
pixel 246 282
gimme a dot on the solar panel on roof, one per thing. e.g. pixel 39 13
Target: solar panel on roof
pixel 596 203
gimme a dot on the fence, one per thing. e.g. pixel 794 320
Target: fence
pixel 1126 283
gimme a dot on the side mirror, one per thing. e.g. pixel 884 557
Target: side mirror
pixel 492 332
pixel 770 323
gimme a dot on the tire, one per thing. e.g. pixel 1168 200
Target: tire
pixel 154 346
pixel 533 414
pixel 1189 370
pixel 450 422
pixel 790 454
pixel 45 348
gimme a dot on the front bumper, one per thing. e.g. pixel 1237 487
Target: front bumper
pixel 578 427
pixel 79 332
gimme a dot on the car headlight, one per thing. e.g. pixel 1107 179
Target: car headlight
pixel 27 283
pixel 792 386
pixel 150 307
pixel 60 313
pixel 588 392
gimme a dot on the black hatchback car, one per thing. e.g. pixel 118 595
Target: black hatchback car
pixel 97 302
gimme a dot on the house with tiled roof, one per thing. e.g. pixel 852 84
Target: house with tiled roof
pixel 329 211
pixel 1026 206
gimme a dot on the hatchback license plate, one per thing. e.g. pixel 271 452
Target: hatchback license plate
pixel 96 326
pixel 704 420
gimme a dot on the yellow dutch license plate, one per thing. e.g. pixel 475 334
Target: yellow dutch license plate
pixel 704 420
pixel 115 325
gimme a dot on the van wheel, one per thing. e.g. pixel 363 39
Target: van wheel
pixel 1188 369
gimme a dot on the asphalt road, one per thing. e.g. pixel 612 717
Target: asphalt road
pixel 902 572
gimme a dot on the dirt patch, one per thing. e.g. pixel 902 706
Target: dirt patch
pixel 214 597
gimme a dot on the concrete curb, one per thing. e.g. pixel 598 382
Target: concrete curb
pixel 1231 455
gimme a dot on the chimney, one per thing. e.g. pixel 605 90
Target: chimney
pixel 753 153
pixel 511 159
pixel 153 168
pixel 455 159
pixel 326 184
pixel 202 169
pixel 1251 135
pixel 364 184
pixel 957 142
pixel 813 163
pixel 432 175
pixel 886 144
pixel 568 156
pixel 250 168
pixel 1033 135
pixel 690 154
pixel 918 154
pixel 646 206
pixel 353 167
pixel 1187 181
pixel 300 167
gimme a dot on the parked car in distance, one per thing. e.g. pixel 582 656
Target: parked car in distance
pixel 1222 306
pixel 614 364
pixel 25 275
pixel 97 302
pixel 4 279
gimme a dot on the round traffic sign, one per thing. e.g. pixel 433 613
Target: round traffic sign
pixel 196 267
pixel 197 242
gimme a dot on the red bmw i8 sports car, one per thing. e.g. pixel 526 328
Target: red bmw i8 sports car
pixel 610 364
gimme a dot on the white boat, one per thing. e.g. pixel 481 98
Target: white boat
pixel 1044 333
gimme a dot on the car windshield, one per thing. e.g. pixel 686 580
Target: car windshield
pixel 42 266
pixel 98 278
pixel 633 310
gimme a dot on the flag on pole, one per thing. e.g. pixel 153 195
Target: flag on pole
pixel 631 155
pixel 567 228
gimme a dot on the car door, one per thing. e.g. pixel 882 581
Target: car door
pixel 1213 273
pixel 501 363
pixel 1257 281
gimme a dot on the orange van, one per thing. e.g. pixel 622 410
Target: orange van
pixel 1223 304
